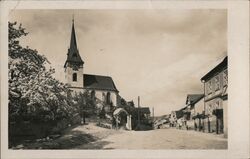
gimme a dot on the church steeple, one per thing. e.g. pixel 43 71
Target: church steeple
pixel 73 55
pixel 73 44
pixel 74 64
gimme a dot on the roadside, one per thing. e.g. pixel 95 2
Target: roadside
pixel 70 138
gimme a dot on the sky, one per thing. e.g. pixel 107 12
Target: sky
pixel 157 54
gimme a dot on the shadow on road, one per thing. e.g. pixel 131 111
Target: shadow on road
pixel 95 145
pixel 72 139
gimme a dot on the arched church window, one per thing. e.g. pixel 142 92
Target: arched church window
pixel 74 76
pixel 108 98
pixel 92 94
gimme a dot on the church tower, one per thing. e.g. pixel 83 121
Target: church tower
pixel 74 65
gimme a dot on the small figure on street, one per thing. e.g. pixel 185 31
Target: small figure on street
pixel 195 126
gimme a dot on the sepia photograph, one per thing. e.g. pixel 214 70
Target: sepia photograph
pixel 118 79
pixel 124 80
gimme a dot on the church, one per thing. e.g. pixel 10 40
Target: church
pixel 101 87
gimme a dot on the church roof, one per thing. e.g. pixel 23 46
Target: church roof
pixel 73 55
pixel 99 82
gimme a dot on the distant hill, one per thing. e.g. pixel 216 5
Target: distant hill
pixel 161 117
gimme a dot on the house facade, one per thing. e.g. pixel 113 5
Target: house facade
pixel 174 117
pixel 215 90
pixel 196 102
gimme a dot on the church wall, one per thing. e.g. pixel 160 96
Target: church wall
pixel 100 94
pixel 113 98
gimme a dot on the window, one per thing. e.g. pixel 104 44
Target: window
pixel 108 98
pixel 209 109
pixel 103 96
pixel 74 67
pixel 93 94
pixel 225 78
pixel 209 87
pixel 74 76
pixel 217 82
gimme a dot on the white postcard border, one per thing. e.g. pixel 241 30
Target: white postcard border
pixel 238 56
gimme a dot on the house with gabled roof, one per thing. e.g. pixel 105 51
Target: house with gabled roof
pixel 194 111
pixel 194 104
pixel 184 116
pixel 174 116
pixel 215 90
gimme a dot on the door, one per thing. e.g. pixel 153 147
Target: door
pixel 219 121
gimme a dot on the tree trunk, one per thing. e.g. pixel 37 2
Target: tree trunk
pixel 84 122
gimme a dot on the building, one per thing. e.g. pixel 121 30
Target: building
pixel 102 88
pixel 215 90
pixel 174 116
pixel 162 122
pixel 190 116
pixel 195 104
pixel 142 113
pixel 141 118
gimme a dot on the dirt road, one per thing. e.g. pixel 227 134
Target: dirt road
pixel 158 139
pixel 91 136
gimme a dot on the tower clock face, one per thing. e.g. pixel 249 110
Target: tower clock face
pixel 75 67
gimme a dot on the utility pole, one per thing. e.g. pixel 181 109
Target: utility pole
pixel 153 114
pixel 138 112
pixel 153 118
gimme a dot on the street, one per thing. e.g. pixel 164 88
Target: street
pixel 91 136
pixel 170 138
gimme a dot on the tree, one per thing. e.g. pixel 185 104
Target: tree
pixel 34 94
pixel 85 104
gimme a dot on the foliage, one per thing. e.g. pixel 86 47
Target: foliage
pixel 128 106
pixel 33 92
pixel 85 103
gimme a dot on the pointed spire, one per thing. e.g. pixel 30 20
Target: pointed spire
pixel 73 54
pixel 73 44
